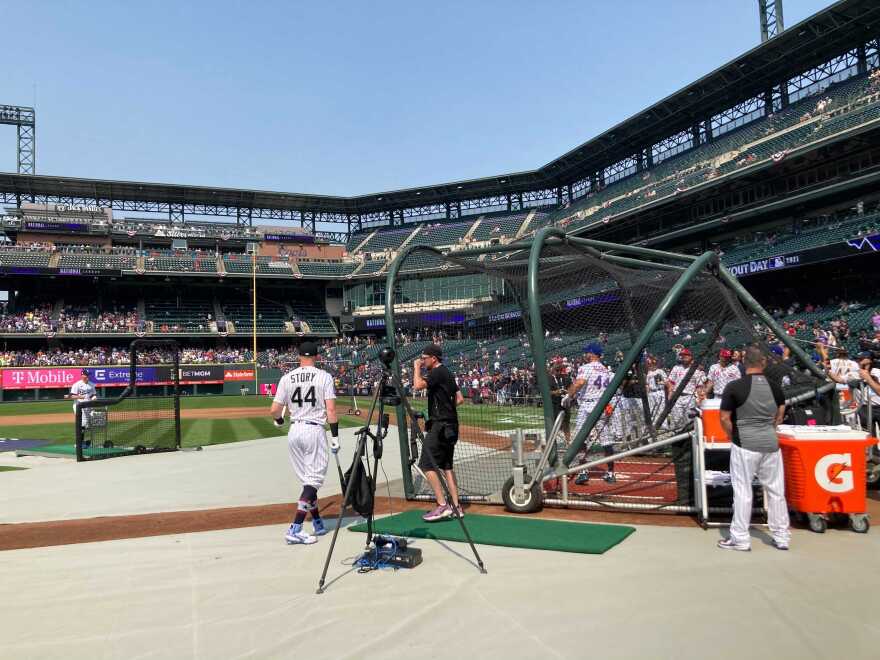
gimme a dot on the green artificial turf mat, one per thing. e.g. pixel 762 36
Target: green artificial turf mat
pixel 510 531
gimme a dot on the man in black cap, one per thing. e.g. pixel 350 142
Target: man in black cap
pixel 442 429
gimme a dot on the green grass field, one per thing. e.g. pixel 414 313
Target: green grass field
pixel 10 468
pixel 194 432
pixel 202 432
pixel 493 418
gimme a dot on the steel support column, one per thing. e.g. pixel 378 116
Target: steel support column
pixel 770 13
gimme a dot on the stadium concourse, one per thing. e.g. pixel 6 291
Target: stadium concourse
pixel 181 555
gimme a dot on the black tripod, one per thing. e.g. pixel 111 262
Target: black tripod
pixel 385 394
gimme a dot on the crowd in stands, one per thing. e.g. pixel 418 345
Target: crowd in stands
pixel 32 320
pixel 89 319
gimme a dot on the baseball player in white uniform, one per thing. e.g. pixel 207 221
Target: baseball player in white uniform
pixel 592 379
pixel 310 398
pixel 678 416
pixel 655 381
pixel 721 373
pixel 82 390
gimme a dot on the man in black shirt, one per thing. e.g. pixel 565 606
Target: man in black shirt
pixel 442 429
pixel 560 381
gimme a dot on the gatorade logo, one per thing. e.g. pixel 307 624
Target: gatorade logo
pixel 834 473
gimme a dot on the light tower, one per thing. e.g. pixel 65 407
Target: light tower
pixel 771 18
pixel 24 120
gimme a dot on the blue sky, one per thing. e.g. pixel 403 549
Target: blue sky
pixel 347 97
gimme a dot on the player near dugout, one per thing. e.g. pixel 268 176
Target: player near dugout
pixel 309 396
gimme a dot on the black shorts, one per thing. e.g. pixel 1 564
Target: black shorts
pixel 440 444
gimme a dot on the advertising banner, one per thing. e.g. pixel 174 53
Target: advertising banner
pixel 26 378
pixel 237 374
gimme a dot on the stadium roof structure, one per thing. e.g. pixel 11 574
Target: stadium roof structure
pixel 842 27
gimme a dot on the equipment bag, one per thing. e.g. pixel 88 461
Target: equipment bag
pixel 361 497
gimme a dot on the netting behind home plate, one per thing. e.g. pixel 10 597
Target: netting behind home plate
pixel 637 337
pixel 144 418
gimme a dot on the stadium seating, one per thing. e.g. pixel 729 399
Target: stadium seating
pixel 243 263
pixel 15 258
pixel 383 240
pixel 326 269
pixel 423 261
pixel 496 226
pixel 787 242
pixel 191 315
pixel 755 142
pixel 271 317
pixel 372 267
pixel 442 234
pixel 102 261
pixel 315 315
pixel 180 262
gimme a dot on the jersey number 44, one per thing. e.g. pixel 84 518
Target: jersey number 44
pixel 308 399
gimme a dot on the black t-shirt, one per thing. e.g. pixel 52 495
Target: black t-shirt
pixel 557 383
pixel 441 395
pixel 631 386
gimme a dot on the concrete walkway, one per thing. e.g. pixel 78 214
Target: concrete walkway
pixel 663 593
pixel 236 474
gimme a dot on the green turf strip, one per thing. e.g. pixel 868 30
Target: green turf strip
pixel 10 468
pixel 513 532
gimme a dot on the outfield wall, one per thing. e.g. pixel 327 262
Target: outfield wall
pixel 48 383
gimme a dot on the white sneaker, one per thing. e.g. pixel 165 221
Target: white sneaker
pixel 299 538
pixel 730 544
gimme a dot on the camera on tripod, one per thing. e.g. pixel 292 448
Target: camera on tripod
pixel 389 394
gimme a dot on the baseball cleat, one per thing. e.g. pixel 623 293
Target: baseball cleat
pixel 298 536
pixel 318 528
pixel 438 513
pixel 779 545
pixel 581 479
pixel 730 544
pixel 610 478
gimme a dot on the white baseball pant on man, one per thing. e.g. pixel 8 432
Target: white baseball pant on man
pixel 603 427
pixel 767 466
pixel 307 447
pixel 656 402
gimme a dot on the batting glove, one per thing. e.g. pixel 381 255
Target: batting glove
pixel 278 421
pixel 566 401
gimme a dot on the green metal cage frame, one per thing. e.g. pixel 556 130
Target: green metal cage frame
pixel 626 255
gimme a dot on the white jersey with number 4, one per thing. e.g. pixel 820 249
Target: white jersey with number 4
pixel 597 377
pixel 304 391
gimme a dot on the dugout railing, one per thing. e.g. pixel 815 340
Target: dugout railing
pixel 135 421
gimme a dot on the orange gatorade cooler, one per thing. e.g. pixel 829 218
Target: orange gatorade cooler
pixel 825 468
pixel 711 415
pixel 846 396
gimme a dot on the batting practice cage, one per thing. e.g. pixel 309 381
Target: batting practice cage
pixel 144 418
pixel 637 329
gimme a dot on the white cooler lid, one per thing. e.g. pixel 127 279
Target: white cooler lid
pixel 804 432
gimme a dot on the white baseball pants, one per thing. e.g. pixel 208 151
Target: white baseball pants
pixel 309 455
pixel 603 427
pixel 744 466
